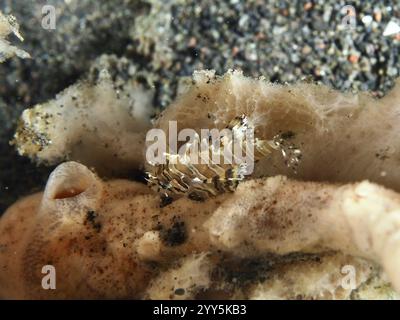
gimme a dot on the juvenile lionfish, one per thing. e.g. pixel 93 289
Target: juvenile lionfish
pixel 179 176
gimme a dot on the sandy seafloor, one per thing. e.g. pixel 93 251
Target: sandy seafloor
pixel 166 40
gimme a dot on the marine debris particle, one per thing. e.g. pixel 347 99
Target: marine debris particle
pixel 290 153
pixel 174 235
pixel 199 181
pixel 91 220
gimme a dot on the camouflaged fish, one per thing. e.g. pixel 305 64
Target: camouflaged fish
pixel 178 176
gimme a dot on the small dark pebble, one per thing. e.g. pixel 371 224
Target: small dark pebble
pixel 179 291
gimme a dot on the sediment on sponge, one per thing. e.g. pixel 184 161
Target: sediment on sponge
pixel 95 123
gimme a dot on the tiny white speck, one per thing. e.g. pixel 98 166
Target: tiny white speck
pixel 367 20
pixel 391 29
